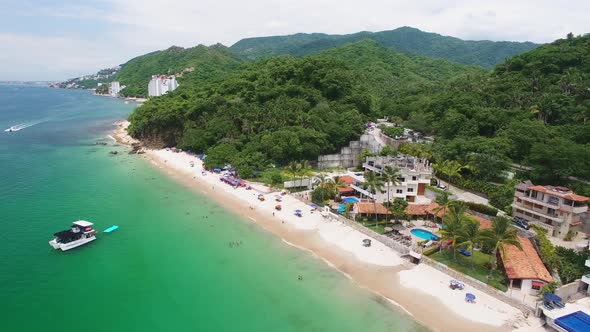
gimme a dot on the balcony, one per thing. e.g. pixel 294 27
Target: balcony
pixel 362 191
pixel 535 212
pixel 574 209
pixel 586 278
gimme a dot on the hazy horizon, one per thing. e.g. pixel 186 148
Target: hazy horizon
pixel 61 39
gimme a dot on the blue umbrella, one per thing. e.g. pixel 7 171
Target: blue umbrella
pixel 297 211
pixel 313 206
pixel 469 297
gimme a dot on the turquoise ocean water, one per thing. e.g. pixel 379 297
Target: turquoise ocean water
pixel 168 268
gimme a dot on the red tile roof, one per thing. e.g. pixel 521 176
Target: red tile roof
pixel 484 223
pixel 567 195
pixel 525 263
pixel 417 209
pixel 345 190
pixel 347 179
pixel 370 208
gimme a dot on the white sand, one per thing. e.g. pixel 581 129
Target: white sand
pixel 487 309
pixel 337 234
pixel 422 278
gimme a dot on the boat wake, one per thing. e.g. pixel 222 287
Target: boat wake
pixel 21 126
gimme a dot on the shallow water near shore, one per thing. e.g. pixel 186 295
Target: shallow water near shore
pixel 178 262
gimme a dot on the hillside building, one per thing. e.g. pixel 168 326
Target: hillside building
pixel 114 88
pixel 415 174
pixel 161 84
pixel 557 209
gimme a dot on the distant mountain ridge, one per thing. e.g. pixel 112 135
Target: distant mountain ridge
pixel 405 39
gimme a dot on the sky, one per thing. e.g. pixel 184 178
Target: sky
pixel 60 39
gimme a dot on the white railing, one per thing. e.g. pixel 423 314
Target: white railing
pixel 362 191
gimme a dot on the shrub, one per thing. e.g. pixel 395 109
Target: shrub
pixel 482 208
pixel 430 251
pixel 546 249
pixel 570 235
pixel 276 178
pixel 392 131
pixel 435 189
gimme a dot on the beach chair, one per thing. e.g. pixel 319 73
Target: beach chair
pixel 548 306
pixel 465 252
pixel 559 304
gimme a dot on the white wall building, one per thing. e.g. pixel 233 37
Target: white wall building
pixel 114 88
pixel 161 84
pixel 415 174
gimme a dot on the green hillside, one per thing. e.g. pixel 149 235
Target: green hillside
pixel 406 40
pixel 533 109
pixel 206 62
pixel 281 109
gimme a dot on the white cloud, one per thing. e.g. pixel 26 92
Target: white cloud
pixel 27 56
pixel 140 26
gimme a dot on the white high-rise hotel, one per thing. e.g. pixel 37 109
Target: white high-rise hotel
pixel 161 84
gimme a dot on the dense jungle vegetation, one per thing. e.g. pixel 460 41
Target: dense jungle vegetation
pixel 405 40
pixel 532 109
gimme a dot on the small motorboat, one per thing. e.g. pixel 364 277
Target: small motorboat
pixel 80 234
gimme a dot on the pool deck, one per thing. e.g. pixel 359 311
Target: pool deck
pixel 420 224
pixel 551 315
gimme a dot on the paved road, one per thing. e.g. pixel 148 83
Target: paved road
pixel 466 196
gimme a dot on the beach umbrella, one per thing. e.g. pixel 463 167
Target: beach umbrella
pixel 297 211
pixel 469 297
pixel 313 206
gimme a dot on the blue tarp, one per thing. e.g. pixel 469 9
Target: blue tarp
pixel 350 200
pixel 550 297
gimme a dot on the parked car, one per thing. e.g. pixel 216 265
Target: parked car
pixel 521 223
pixel 441 187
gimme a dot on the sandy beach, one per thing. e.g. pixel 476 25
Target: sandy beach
pixel 420 290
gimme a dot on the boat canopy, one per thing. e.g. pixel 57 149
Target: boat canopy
pixel 83 223
pixel 67 236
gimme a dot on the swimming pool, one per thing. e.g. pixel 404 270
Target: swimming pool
pixel 424 234
pixel 575 322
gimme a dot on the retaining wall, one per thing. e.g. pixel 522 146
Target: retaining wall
pixel 526 310
pixel 379 237
pixel 566 292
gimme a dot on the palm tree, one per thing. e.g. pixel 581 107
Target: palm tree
pixel 444 201
pixel 448 168
pixel 304 168
pixel 453 224
pixel 322 182
pixel 373 184
pixel 469 236
pixel 390 176
pixel 294 168
pixel 500 236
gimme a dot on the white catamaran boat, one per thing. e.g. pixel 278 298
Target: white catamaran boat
pixel 80 233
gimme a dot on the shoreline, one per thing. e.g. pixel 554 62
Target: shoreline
pixel 419 291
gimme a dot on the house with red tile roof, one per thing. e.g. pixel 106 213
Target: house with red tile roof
pixel 557 209
pixel 524 268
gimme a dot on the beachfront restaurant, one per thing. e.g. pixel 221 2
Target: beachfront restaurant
pixel 525 271
pixel 368 209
